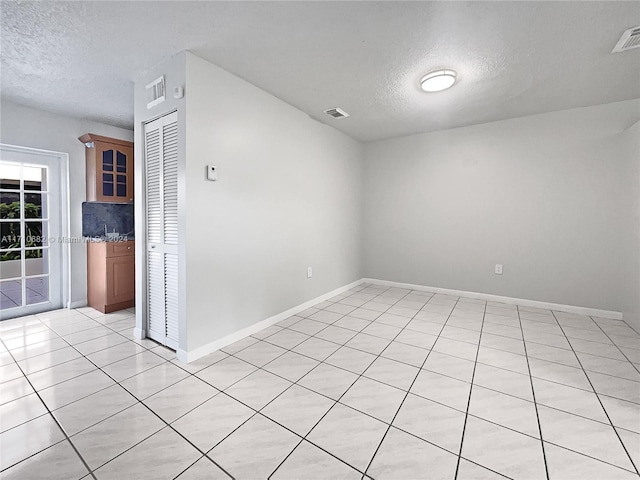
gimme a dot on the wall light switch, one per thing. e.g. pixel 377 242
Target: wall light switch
pixel 309 272
pixel 212 173
pixel 498 269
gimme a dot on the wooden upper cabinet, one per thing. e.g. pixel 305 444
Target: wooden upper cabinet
pixel 109 169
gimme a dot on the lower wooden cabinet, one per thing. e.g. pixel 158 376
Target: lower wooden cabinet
pixel 111 275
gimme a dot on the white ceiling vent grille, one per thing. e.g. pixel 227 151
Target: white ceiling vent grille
pixel 630 39
pixel 336 113
pixel 155 92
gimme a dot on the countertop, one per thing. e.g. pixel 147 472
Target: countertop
pixel 103 238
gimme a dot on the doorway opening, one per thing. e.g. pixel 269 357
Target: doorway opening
pixel 34 231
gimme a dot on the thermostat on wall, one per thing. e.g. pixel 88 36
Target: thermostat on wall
pixel 212 173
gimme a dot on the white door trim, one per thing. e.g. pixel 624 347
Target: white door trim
pixel 159 247
pixel 65 207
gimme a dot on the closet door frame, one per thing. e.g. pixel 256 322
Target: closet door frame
pixel 158 248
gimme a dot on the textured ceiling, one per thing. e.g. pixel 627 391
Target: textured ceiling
pixel 513 58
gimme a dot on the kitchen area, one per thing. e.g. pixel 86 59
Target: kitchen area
pixel 108 223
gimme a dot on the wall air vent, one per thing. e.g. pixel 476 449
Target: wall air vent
pixel 336 113
pixel 630 39
pixel 155 92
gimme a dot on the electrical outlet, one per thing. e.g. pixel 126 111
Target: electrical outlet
pixel 309 272
pixel 498 270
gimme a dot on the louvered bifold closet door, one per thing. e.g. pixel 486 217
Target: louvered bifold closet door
pixel 170 217
pixel 161 161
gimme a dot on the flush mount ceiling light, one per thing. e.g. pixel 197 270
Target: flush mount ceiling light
pixel 438 80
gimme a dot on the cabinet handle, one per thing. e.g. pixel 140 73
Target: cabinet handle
pixel 128 248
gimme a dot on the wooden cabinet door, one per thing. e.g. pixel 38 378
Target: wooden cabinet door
pixel 120 279
pixel 109 169
pixel 114 172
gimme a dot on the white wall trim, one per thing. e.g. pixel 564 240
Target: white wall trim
pixel 78 303
pixel 188 357
pixel 65 215
pixel 498 298
pixel 193 355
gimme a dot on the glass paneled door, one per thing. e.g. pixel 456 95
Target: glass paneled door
pixel 31 232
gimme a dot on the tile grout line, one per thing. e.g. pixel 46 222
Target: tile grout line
pixel 192 464
pixel 256 412
pixel 377 357
pixel 533 393
pixel 75 449
pixel 617 346
pixel 335 402
pixel 311 336
pixel 410 386
pixel 338 400
pixel 552 346
pixel 627 324
pixel 530 341
pixel 259 412
pixel 290 350
pixel 466 415
pixel 265 339
pixel 604 409
pixel 141 403
pixel 63 338
pixel 121 386
pixel 285 379
pixel 392 386
pixel 145 405
pixel 542 359
pixel 545 360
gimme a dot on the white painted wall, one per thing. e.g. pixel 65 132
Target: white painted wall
pixel 631 240
pixel 174 72
pixel 552 197
pixel 288 197
pixel 29 127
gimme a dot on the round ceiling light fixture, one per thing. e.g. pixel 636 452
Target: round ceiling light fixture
pixel 438 80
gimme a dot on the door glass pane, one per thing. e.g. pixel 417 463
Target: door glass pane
pixel 121 162
pixel 34 234
pixel 37 290
pixel 10 294
pixel 36 262
pixel 107 160
pixel 9 235
pixel 29 267
pixel 107 184
pixel 33 205
pixel 121 185
pixel 10 264
pixel 10 176
pixel 10 204
pixel 35 178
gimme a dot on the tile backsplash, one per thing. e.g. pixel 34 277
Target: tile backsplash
pixel 116 216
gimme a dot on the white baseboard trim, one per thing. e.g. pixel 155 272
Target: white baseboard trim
pixel 190 356
pixel 78 304
pixel 139 333
pixel 498 298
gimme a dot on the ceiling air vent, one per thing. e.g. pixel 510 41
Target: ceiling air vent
pixel 336 113
pixel 630 39
pixel 155 92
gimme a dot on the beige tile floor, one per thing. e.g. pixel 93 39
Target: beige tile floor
pixel 374 383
